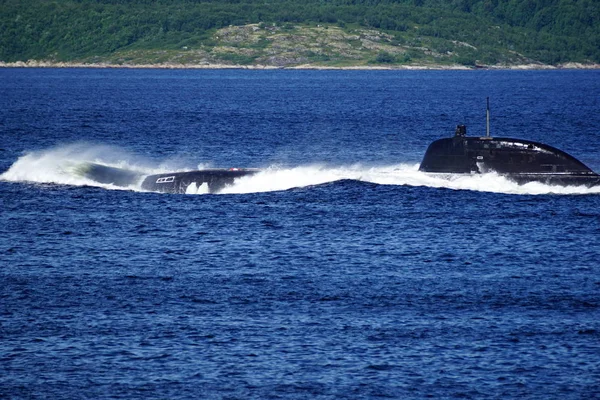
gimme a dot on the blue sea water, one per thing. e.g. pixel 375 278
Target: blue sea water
pixel 340 272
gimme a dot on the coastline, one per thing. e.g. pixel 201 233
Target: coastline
pixel 50 64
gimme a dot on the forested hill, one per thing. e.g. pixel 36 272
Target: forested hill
pixel 301 32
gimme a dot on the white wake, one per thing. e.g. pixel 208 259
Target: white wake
pixel 273 179
pixel 60 166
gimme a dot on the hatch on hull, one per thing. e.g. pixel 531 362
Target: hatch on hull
pixel 520 160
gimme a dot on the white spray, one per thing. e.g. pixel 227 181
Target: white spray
pixel 60 165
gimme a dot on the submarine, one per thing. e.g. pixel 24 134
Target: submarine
pixel 197 181
pixel 519 160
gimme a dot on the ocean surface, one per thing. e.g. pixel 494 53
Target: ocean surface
pixel 340 272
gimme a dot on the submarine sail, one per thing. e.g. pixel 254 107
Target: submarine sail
pixel 520 160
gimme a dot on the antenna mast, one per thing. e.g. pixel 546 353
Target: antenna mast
pixel 487 125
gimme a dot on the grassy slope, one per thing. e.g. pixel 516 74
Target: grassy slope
pixel 317 45
pixel 291 33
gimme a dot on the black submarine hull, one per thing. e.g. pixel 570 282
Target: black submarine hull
pixel 199 181
pixel 589 180
pixel 521 161
pixel 109 175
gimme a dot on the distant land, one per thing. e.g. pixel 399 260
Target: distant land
pixel 377 34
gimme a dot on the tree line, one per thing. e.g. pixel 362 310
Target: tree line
pixel 551 31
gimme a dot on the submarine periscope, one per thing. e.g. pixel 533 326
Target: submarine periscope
pixel 519 160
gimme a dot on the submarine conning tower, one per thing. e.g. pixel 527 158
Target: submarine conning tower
pixel 464 154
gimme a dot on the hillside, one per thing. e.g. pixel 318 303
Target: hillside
pixel 292 33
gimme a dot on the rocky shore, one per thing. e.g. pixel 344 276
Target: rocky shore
pixel 51 64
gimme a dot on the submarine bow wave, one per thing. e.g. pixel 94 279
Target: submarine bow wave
pixel 73 165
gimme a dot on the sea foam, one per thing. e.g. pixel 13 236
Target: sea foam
pixel 63 165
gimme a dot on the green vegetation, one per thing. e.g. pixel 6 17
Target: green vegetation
pixel 292 32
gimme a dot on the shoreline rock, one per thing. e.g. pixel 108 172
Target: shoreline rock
pixel 51 64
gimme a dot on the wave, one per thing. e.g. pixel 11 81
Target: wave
pixel 62 165
pixel 273 179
